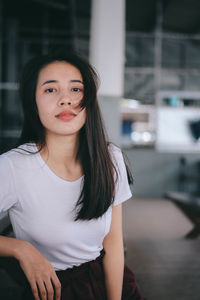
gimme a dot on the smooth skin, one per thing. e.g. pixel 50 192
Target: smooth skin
pixel 114 258
pixel 60 87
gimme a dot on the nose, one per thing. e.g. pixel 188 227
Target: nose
pixel 63 102
pixel 66 100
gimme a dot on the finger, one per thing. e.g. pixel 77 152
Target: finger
pixel 57 286
pixel 49 289
pixel 34 289
pixel 42 290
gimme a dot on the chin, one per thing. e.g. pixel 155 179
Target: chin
pixel 64 132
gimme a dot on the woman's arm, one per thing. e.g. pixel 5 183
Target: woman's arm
pixel 114 256
pixel 36 267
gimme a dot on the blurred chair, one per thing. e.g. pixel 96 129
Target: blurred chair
pixel 187 196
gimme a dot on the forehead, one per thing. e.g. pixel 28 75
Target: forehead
pixel 59 70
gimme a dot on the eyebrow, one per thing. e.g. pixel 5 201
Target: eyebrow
pixel 50 81
pixel 76 80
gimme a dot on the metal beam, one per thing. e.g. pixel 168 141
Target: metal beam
pixel 53 4
pixel 73 22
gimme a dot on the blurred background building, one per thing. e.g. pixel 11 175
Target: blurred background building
pixel 155 119
pixel 147 53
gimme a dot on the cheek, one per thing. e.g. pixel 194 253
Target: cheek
pixel 82 116
pixel 44 110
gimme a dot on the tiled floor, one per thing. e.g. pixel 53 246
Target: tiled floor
pixel 166 265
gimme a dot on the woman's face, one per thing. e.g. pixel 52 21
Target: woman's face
pixel 59 92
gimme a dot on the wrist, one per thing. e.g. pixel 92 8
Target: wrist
pixel 18 248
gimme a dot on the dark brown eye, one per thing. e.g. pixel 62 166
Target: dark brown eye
pixel 50 90
pixel 76 90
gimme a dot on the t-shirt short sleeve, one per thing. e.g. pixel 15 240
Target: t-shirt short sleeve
pixel 122 188
pixel 7 188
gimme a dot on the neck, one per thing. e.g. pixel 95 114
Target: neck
pixel 61 149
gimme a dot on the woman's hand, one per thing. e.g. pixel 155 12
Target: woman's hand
pixel 39 272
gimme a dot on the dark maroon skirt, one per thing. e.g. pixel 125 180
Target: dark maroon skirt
pixel 87 282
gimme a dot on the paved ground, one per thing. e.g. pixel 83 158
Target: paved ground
pixel 167 266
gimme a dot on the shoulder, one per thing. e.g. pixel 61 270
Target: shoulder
pixel 118 160
pixel 17 155
pixel 114 150
pixel 122 188
pixel 116 154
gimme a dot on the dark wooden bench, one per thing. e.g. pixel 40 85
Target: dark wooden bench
pixel 13 283
pixel 190 206
pixel 12 280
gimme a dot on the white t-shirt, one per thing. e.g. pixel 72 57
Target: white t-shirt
pixel 41 207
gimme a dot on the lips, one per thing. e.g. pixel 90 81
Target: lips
pixel 66 115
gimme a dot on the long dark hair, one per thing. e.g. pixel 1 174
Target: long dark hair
pixel 98 189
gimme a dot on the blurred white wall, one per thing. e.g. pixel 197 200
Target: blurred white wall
pixel 107 46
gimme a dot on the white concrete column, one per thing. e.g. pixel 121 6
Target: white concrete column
pixel 107 44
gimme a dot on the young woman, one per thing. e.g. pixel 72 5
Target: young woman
pixel 64 186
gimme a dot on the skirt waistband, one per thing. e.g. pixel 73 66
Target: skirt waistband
pixel 79 271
